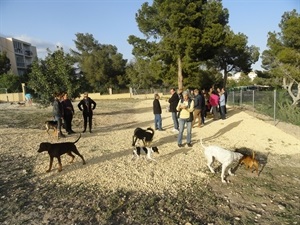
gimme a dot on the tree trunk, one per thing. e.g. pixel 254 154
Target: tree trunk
pixel 288 84
pixel 180 78
pixel 225 78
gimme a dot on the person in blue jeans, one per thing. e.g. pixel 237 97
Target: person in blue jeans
pixel 185 108
pixel 157 113
pixel 173 104
pixel 222 103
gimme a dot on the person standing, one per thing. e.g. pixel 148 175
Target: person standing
pixel 203 106
pixel 197 108
pixel 179 92
pixel 58 113
pixel 173 104
pixel 226 95
pixel 157 113
pixel 214 102
pixel 68 113
pixel 185 108
pixel 222 104
pixel 87 105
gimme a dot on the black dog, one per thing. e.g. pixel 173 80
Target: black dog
pixel 145 135
pixel 58 149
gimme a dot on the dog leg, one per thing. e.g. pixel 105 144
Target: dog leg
pixel 50 165
pixel 83 161
pixel 223 173
pixel 230 173
pixel 59 164
pixel 210 161
pixel 70 154
pixel 149 157
pixel 77 153
pixel 145 144
pixel 134 155
pixel 134 139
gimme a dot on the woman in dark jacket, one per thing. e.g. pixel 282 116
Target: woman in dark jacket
pixel 68 113
pixel 157 113
pixel 87 105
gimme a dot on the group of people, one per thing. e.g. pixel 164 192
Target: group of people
pixel 63 110
pixel 190 107
pixel 217 101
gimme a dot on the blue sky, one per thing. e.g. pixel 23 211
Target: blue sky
pixel 50 23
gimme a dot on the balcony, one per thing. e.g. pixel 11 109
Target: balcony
pixel 28 53
pixel 18 51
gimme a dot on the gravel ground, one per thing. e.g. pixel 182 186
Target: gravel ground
pixel 113 189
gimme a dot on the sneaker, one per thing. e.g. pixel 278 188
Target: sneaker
pixel 190 145
pixel 180 145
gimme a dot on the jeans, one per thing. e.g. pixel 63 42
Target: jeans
pixel 222 112
pixel 182 123
pixel 59 123
pixel 175 120
pixel 157 122
pixel 215 112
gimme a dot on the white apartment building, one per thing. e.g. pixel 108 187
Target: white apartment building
pixel 21 54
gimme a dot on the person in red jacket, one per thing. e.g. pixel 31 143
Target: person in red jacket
pixel 214 102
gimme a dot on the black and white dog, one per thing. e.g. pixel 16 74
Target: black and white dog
pixel 145 135
pixel 138 151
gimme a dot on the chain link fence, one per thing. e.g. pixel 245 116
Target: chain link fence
pixel 275 104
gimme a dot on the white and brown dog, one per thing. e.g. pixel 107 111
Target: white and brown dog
pixel 147 151
pixel 225 157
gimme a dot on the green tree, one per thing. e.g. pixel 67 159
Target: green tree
pixel 181 33
pixel 234 55
pixel 4 63
pixel 145 73
pixel 55 74
pixel 10 82
pixel 282 57
pixel 101 65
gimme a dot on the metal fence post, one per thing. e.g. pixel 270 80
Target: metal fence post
pixel 253 100
pixel 275 106
pixel 241 96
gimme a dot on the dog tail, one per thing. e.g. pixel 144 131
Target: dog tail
pixel 77 138
pixel 149 128
pixel 201 143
